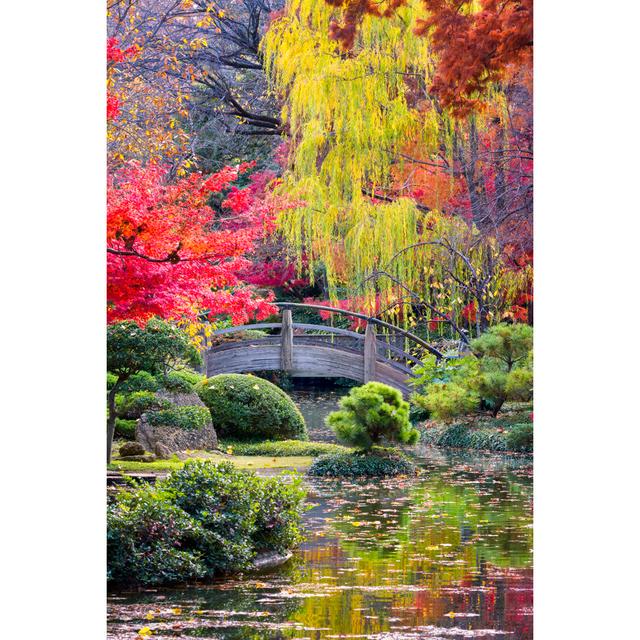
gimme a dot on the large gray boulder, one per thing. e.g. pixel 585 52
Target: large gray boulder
pixel 166 439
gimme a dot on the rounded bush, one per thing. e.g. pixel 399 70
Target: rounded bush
pixel 246 407
pixel 374 463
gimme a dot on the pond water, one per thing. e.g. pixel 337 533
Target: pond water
pixel 315 404
pixel 444 555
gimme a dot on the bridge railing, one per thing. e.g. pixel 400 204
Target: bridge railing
pixel 390 331
pixel 400 347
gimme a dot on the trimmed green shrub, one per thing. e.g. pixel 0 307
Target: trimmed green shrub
pixel 133 405
pixel 377 462
pixel 181 381
pixel 202 520
pixel 520 437
pixel 141 381
pixel 372 413
pixel 246 407
pixel 188 418
pixel 126 428
pixel 282 448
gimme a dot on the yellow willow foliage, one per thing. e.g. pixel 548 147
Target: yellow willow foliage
pixel 348 116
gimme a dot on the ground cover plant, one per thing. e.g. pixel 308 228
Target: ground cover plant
pixel 281 448
pixel 512 431
pixel 246 407
pixel 202 520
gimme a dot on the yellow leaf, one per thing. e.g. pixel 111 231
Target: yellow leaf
pixel 145 632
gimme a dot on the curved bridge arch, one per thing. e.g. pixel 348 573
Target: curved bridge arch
pixel 310 350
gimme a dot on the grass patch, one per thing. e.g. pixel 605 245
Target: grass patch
pixel 241 462
pixel 284 448
pixel 378 462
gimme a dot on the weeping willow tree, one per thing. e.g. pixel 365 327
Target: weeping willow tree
pixel 349 115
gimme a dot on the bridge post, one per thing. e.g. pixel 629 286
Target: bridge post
pixel 286 337
pixel 370 352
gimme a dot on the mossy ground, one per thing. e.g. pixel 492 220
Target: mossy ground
pixel 242 462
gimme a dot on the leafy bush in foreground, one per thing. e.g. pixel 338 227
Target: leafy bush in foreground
pixel 377 462
pixel 202 520
pixel 372 413
pixel 247 407
pixel 282 448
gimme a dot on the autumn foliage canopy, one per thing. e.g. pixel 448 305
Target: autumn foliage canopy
pixel 170 254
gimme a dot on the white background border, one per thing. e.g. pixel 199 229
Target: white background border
pixel 586 309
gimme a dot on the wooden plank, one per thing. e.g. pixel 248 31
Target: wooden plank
pixel 314 360
pixel 370 354
pixel 287 340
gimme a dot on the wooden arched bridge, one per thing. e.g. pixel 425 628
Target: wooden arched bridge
pixel 384 352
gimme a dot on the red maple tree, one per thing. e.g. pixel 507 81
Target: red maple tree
pixel 170 254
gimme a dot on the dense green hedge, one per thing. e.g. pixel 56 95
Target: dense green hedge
pixel 247 408
pixel 202 520
pixel 377 462
pixel 188 418
pixel 282 448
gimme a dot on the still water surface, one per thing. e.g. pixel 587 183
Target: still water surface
pixel 445 555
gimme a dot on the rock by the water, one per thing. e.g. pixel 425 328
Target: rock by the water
pixel 145 457
pixel 180 399
pixel 172 439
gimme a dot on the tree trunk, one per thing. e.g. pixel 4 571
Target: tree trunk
pixel 111 420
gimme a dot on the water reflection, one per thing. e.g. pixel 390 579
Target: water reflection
pixel 447 555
